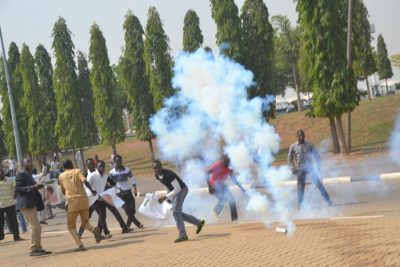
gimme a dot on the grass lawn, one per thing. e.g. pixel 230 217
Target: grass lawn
pixel 372 123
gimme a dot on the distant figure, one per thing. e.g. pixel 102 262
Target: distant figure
pixel 71 185
pixel 12 167
pixel 300 159
pixel 177 191
pixel 26 190
pixel 112 159
pixel 7 206
pixel 54 167
pixel 219 172
pixel 96 160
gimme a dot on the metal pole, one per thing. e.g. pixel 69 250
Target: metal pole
pixel 12 108
pixel 349 65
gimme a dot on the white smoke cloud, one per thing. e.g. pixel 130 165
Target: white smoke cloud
pixel 395 141
pixel 209 115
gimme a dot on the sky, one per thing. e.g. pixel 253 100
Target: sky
pixel 31 22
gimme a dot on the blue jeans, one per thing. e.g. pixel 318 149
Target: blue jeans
pixel 301 183
pixel 222 192
pixel 180 216
pixel 22 222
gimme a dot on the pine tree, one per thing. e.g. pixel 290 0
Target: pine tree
pixel 69 120
pixel 90 132
pixel 108 115
pixel 258 47
pixel 16 84
pixel 383 63
pixel 226 16
pixel 33 100
pixel 364 62
pixel 134 79
pixel 192 36
pixel 158 59
pixel 44 70
pixel 333 84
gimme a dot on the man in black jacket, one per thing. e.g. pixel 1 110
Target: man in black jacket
pixel 26 190
pixel 177 191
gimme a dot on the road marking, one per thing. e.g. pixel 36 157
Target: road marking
pixel 357 217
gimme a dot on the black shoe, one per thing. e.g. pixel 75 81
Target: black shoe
pixel 97 234
pixel 45 223
pixel 200 226
pixel 18 239
pixel 127 230
pixel 80 232
pixel 39 252
pixel 81 248
pixel 1 237
pixel 181 239
pixel 45 252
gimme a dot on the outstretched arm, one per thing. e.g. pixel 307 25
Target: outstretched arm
pixel 234 179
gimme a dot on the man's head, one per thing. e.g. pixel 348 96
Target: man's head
pixel 157 167
pixel 90 164
pixel 1 174
pixel 118 161
pixel 68 165
pixel 101 166
pixel 300 136
pixel 225 160
pixel 34 171
pixel 28 165
pixel 96 157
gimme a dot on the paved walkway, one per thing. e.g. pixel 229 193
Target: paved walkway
pixel 356 241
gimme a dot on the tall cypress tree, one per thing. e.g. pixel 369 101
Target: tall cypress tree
pixel 258 47
pixel 134 79
pixel 364 62
pixel 226 16
pixel 383 62
pixel 90 132
pixel 108 115
pixel 158 59
pixel 192 36
pixel 333 84
pixel 44 70
pixel 69 120
pixel 16 84
pixel 33 100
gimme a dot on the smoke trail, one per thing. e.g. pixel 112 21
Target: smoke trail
pixel 209 115
pixel 395 141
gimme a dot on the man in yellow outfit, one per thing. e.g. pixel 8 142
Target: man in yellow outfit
pixel 71 184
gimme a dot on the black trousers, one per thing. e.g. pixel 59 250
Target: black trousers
pixel 129 207
pixel 100 208
pixel 12 218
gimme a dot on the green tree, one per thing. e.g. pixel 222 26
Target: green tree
pixel 229 37
pixel 69 120
pixel 257 47
pixel 44 70
pixel 3 150
pixel 289 45
pixel 364 62
pixel 22 120
pixel 158 59
pixel 323 25
pixel 192 36
pixel 33 100
pixel 89 128
pixel 108 115
pixel 135 81
pixel 383 63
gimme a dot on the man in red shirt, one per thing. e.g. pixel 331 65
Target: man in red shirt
pixel 216 186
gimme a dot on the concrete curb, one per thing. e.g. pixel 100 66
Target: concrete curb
pixel 330 180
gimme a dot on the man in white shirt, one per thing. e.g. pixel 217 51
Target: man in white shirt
pixel 125 181
pixel 177 191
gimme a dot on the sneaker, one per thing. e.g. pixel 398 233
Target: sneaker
pixel 35 253
pixel 81 248
pixel 108 236
pixel 97 234
pixel 181 239
pixel 80 232
pixel 45 252
pixel 200 226
pixel 45 223
pixel 18 239
pixel 127 230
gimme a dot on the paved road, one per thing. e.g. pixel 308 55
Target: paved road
pixel 361 229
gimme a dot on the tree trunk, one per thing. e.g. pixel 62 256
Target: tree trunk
pixel 348 126
pixel 114 148
pixel 335 141
pixel 296 87
pixel 349 66
pixel 82 160
pixel 151 150
pixel 73 156
pixel 368 89
pixel 341 135
pixel 387 90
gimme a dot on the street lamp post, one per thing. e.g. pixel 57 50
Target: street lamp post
pixel 12 108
